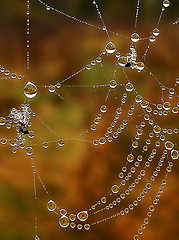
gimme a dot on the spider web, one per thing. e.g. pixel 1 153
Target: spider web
pixel 111 115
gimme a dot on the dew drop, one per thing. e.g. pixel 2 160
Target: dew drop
pixel 166 3
pixel 29 151
pixel 51 88
pixel 115 189
pixel 135 37
pixel 152 38
pixel 2 121
pixel 51 205
pixel 122 61
pixel 129 87
pixel 45 145
pixel 3 141
pixel 140 66
pixel 102 140
pixel 169 145
pixel 113 83
pixel 103 109
pixel 174 154
pixel 48 8
pixel 63 212
pixel 64 221
pixel 87 226
pixel 82 216
pixel 130 157
pixel 110 48
pixel 156 32
pixel 30 90
pixel 72 217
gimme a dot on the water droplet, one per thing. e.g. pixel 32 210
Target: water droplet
pixel 72 225
pixel 166 106
pixel 103 109
pixel 51 205
pixel 156 32
pixel 29 151
pixel 166 3
pixel 138 98
pixel 113 83
pixel 72 217
pixel 103 199
pixel 169 145
pixel 82 216
pixel 79 226
pixel 13 75
pixel 140 66
pixel 115 189
pixel 87 226
pixel 98 59
pixel 2 121
pixel 63 211
pixel 95 142
pixel 174 154
pixel 64 221
pixel 122 61
pixel 102 140
pixel 129 87
pixel 135 144
pixel 156 129
pixel 48 8
pixel 135 37
pixel 37 238
pixel 88 67
pixel 45 145
pixel 152 38
pixel 61 142
pixel 58 85
pixel 6 72
pixel 31 134
pixel 3 141
pixel 93 127
pixel 51 88
pixel 30 90
pixel 110 48
pixel 130 157
pixel 144 104
pixel 175 110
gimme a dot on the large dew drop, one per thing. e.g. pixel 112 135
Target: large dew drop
pixel 166 3
pixel 110 48
pixel 30 90
pixel 135 37
pixel 64 221
pixel 82 216
pixel 51 206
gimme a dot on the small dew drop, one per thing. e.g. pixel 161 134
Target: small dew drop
pixel 152 38
pixel 2 121
pixel 129 87
pixel 113 83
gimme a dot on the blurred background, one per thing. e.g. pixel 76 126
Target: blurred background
pixel 79 174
